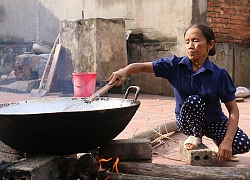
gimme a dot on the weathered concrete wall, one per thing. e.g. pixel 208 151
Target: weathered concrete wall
pixel 146 52
pixel 242 66
pixel 224 57
pixel 23 21
pixel 160 18
pixel 235 59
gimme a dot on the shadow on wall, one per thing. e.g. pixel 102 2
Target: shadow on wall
pixel 149 35
pixel 1 13
pixel 18 30
pixel 49 26
pixel 36 24
pixel 64 72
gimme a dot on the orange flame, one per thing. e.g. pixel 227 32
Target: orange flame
pixel 103 160
pixel 115 165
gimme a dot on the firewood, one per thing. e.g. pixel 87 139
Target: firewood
pixel 110 175
pixel 86 167
pixel 183 172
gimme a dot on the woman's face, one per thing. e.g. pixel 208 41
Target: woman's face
pixel 196 45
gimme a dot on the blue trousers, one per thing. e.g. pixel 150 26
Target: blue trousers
pixel 191 121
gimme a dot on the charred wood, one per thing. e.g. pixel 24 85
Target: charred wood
pixel 86 167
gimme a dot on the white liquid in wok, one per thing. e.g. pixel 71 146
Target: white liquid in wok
pixel 52 105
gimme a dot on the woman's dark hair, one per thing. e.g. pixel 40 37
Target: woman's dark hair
pixel 207 32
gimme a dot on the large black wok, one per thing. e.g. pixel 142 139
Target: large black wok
pixel 64 125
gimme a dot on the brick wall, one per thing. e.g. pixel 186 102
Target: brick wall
pixel 230 20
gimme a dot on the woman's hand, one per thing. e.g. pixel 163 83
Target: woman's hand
pixel 119 75
pixel 225 150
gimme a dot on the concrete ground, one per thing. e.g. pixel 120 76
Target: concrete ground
pixel 155 110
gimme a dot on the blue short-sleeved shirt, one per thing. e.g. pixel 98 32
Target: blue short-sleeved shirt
pixel 211 83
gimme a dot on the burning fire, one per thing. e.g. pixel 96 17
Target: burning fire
pixel 103 160
pixel 115 168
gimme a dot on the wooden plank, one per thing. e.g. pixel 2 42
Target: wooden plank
pixel 53 67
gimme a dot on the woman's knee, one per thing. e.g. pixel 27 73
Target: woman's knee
pixel 193 103
pixel 194 100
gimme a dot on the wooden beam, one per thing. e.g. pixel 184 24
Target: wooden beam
pixel 110 175
pixel 184 172
pixel 157 131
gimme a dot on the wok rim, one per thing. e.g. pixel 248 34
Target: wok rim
pixel 78 99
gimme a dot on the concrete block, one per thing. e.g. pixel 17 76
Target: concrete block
pixel 41 167
pixel 128 149
pixel 201 156
pixel 94 45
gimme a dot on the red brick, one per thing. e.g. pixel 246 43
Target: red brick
pixel 239 18
pixel 223 5
pixel 213 3
pixel 239 3
pixel 210 9
pixel 225 21
pixel 235 41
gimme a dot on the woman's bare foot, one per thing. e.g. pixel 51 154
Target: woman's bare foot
pixel 190 146
pixel 192 142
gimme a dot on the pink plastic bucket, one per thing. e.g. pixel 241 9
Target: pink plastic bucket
pixel 84 84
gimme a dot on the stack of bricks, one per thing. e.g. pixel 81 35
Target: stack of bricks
pixel 30 66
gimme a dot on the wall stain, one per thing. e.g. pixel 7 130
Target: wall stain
pixel 2 13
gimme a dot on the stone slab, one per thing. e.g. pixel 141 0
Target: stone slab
pixel 200 156
pixel 128 149
pixel 41 167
